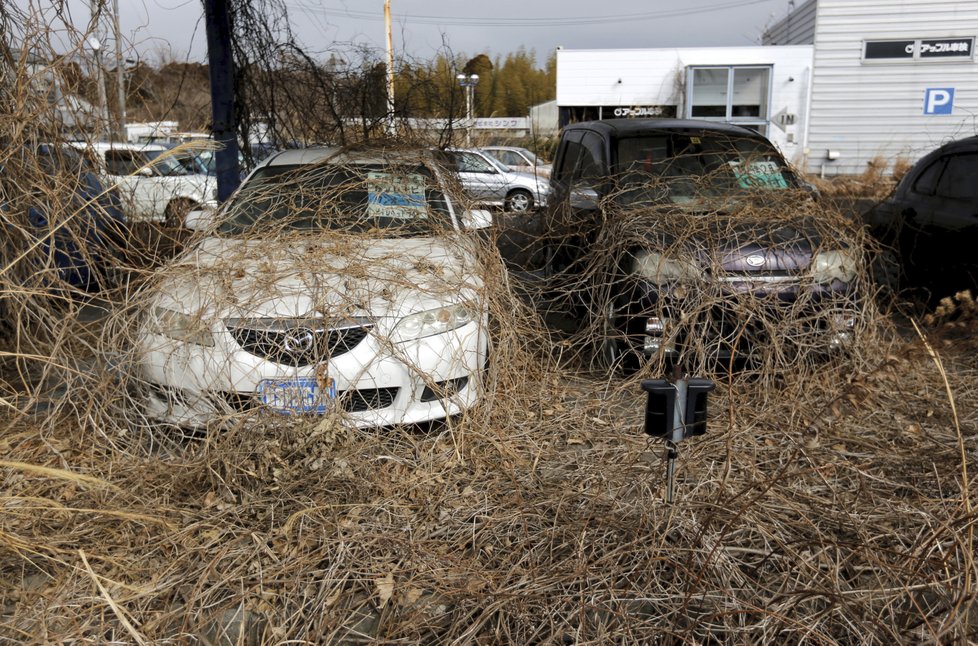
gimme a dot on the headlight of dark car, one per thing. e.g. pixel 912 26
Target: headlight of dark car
pixel 660 269
pixel 829 266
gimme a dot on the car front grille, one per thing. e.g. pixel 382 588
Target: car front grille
pixel 298 342
pixel 351 401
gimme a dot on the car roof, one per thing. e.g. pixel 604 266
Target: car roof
pixel 102 146
pixel 633 127
pixel 338 154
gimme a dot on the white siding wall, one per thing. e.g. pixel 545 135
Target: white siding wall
pixel 870 110
pixel 797 28
pixel 648 77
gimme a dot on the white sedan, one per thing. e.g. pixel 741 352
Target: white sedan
pixel 332 282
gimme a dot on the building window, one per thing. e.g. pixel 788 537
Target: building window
pixel 734 94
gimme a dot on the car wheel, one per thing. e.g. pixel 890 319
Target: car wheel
pixel 612 354
pixel 519 201
pixel 176 213
pixel 887 273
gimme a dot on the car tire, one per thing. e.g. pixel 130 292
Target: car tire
pixel 176 213
pixel 519 201
pixel 611 352
pixel 887 274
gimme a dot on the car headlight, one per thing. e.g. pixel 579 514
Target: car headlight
pixel 828 266
pixel 659 269
pixel 431 322
pixel 179 326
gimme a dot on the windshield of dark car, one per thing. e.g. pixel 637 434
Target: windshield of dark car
pixel 397 201
pixel 680 168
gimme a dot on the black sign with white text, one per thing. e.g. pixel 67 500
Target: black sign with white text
pixel 920 49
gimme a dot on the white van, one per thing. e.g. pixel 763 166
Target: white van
pixel 151 183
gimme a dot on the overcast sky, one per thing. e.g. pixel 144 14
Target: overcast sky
pixel 174 29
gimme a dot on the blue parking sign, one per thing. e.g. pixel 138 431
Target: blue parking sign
pixel 938 100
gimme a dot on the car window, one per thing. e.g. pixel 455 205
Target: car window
pixel 926 183
pixel 958 179
pixel 164 162
pixel 362 198
pixel 472 163
pixel 591 170
pixel 121 162
pixel 572 152
pixel 680 167
pixel 510 158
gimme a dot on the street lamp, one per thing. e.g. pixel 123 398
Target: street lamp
pixel 103 104
pixel 468 83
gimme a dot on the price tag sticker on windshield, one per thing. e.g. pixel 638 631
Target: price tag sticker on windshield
pixel 759 174
pixel 399 197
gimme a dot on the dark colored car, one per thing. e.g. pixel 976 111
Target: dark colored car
pixel 686 239
pixel 929 224
pixel 86 237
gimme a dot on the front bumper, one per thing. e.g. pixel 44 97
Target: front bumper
pixel 378 383
pixel 785 320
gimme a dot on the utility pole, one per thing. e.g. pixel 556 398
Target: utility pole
pixel 223 124
pixel 95 42
pixel 120 73
pixel 391 126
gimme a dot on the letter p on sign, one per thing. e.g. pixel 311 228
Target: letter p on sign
pixel 938 100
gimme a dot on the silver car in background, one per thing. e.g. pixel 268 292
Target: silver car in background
pixel 491 183
pixel 520 160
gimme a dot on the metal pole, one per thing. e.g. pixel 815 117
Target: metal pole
pixel 120 72
pixel 391 126
pixel 223 124
pixel 95 42
pixel 469 88
pixel 672 452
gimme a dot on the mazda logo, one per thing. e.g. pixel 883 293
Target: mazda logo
pixel 299 341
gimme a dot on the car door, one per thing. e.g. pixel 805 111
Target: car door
pixel 937 221
pixel 121 167
pixel 945 219
pixel 481 179
pixel 575 218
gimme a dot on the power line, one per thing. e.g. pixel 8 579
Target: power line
pixel 566 21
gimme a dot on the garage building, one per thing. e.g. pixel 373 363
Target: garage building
pixel 838 85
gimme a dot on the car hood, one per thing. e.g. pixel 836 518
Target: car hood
pixel 344 276
pixel 739 240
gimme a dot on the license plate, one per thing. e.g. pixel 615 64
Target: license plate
pixel 302 395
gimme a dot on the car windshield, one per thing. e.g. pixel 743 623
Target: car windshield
pixel 164 163
pixel 397 201
pixel 534 160
pixel 681 168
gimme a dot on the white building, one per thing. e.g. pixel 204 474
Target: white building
pixel 837 85
pixel 764 88
pixel 891 79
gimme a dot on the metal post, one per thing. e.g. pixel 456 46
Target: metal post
pixel 391 126
pixel 120 72
pixel 672 452
pixel 223 124
pixel 468 114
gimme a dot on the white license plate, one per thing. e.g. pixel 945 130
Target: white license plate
pixel 302 395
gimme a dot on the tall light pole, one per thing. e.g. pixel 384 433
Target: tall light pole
pixel 103 105
pixel 468 83
pixel 120 73
pixel 391 128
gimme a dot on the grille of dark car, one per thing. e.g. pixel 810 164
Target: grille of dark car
pixel 299 345
pixel 351 401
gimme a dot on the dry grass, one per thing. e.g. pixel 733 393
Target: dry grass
pixel 830 502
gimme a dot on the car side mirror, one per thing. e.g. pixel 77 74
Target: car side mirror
pixel 198 220
pixel 812 190
pixel 476 219
pixel 145 171
pixel 584 197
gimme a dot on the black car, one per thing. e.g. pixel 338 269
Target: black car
pixel 76 233
pixel 682 240
pixel 929 224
